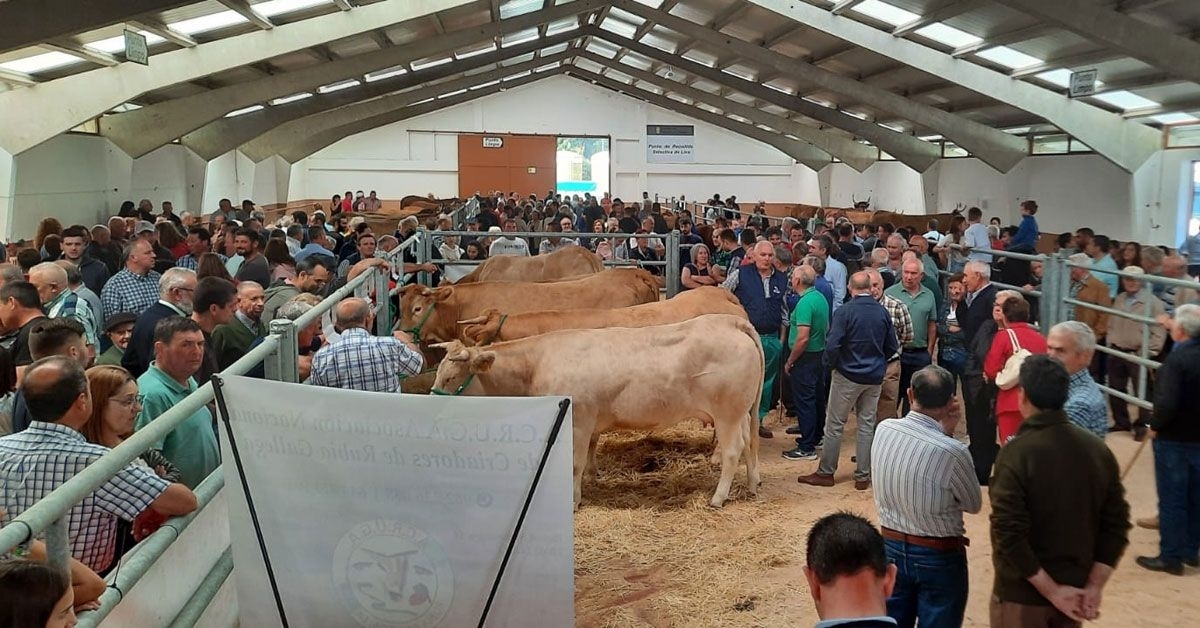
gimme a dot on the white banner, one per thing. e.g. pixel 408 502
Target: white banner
pixel 396 510
pixel 670 143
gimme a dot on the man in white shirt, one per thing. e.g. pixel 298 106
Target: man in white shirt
pixel 975 238
pixel 509 245
pixel 924 481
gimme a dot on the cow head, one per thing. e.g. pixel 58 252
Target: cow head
pixel 457 372
pixel 482 329
pixel 417 305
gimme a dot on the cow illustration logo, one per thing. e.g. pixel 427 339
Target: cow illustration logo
pixel 388 573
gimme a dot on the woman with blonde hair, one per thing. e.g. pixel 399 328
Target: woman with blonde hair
pixel 115 407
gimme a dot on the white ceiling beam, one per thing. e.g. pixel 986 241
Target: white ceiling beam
pixel 1126 144
pixel 1003 38
pixel 1158 47
pixel 946 10
pixel 1066 61
pixel 243 8
pixel 996 148
pixel 844 5
pixel 36 115
pixel 17 78
pixel 30 22
pixel 162 30
pixel 81 52
pixel 343 5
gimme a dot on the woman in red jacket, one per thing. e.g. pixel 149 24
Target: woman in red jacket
pixel 1011 314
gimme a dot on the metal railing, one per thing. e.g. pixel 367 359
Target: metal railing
pixel 700 215
pixel 671 264
pixel 279 354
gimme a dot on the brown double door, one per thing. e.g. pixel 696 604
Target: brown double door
pixel 511 163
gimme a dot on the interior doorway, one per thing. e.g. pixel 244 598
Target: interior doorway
pixel 583 165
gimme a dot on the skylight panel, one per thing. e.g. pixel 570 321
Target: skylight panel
pixel 271 8
pixel 293 98
pixel 948 35
pixel 388 73
pixel 894 127
pixel 333 87
pixel 1009 58
pixel 207 23
pixel 451 94
pixel 1126 100
pixel 475 52
pixel 624 29
pixel 483 85
pixel 513 8
pixel 1059 77
pixel 553 50
pixel 244 111
pixel 856 114
pixel 41 63
pixel 520 37
pixel 1175 118
pixel 517 76
pixel 891 14
pixel 562 26
pixel 114 45
pixel 930 138
pixel 433 63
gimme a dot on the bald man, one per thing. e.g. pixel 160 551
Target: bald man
pixel 60 302
pixel 233 339
pixel 361 361
pixel 760 288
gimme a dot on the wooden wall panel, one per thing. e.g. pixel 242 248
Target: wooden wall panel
pixel 506 168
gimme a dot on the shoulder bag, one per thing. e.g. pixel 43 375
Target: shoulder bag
pixel 1009 376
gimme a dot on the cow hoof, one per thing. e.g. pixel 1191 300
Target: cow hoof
pixel 716 503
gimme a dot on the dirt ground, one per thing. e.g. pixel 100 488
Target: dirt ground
pixel 650 552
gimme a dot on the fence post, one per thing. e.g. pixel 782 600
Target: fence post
pixel 58 545
pixel 383 303
pixel 1143 370
pixel 1047 308
pixel 283 365
pixel 673 270
pixel 424 247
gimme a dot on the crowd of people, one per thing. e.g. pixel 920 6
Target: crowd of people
pixel 104 329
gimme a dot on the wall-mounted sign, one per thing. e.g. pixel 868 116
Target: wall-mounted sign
pixel 1083 83
pixel 670 143
pixel 493 142
pixel 531 170
pixel 136 49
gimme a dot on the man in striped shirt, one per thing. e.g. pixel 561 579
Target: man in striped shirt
pixel 924 482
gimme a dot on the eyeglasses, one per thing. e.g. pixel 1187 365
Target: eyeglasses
pixel 130 401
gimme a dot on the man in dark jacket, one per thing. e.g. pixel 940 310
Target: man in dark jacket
pixel 176 289
pixel 975 317
pixel 861 339
pixel 1177 448
pixel 1060 521
pixel 74 243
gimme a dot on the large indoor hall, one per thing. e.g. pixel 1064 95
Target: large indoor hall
pixel 637 313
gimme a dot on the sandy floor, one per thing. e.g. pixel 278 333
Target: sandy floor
pixel 649 552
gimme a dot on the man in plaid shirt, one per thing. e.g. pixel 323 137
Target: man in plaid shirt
pixel 360 360
pixel 889 393
pixel 52 450
pixel 135 288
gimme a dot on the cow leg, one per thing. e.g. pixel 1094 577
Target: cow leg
pixel 581 445
pixel 752 478
pixel 591 469
pixel 729 439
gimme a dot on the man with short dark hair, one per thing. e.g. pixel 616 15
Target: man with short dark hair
pixel 214 303
pixel 835 271
pixel 848 574
pixel 313 274
pixel 975 240
pixel 135 287
pixel 255 267
pixel 52 450
pixel 318 244
pixel 359 360
pixel 178 354
pixel 1098 249
pixel 74 246
pixel 1053 550
pixel 20 310
pixel 48 337
pixel 924 482
pixel 176 289
pixel 199 242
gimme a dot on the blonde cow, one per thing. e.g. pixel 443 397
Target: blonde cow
pixel 432 314
pixel 566 263
pixel 493 326
pixel 695 359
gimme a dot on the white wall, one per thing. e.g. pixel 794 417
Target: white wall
pixel 419 156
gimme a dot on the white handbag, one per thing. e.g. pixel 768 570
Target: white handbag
pixel 1010 375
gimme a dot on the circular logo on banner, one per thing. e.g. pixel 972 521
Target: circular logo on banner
pixel 389 573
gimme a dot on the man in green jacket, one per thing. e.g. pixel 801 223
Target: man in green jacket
pixel 1060 521
pixel 233 339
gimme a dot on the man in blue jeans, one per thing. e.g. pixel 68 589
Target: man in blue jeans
pixel 805 366
pixel 924 482
pixel 1177 448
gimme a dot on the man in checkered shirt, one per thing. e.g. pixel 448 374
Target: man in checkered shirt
pixel 135 288
pixel 360 360
pixel 52 450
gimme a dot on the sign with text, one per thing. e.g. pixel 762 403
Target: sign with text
pixel 493 142
pixel 396 510
pixel 136 49
pixel 670 143
pixel 1083 83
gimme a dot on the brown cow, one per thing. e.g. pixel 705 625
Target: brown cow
pixel 495 327
pixel 566 263
pixel 695 357
pixel 433 313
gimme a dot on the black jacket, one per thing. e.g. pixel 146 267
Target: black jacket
pixel 140 351
pixel 980 312
pixel 1177 395
pixel 95 273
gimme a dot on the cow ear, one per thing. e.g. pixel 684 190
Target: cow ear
pixel 482 362
pixel 471 334
pixel 441 294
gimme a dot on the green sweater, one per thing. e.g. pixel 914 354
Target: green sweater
pixel 233 339
pixel 1057 504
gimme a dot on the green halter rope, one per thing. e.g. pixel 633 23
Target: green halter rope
pixel 470 378
pixel 416 331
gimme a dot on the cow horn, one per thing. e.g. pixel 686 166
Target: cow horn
pixel 474 321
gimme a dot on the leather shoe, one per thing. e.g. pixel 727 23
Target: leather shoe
pixel 1150 523
pixel 764 432
pixel 1192 562
pixel 793 430
pixel 1117 428
pixel 1156 563
pixel 816 479
pixel 1139 433
pixel 862 485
